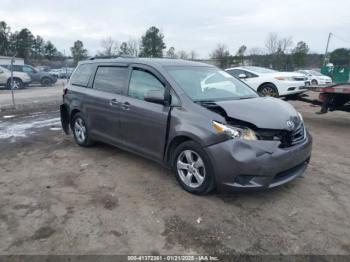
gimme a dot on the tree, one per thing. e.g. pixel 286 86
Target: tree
pixel 109 47
pixel 271 43
pixel 340 56
pixel 152 44
pixel 4 38
pixel 133 47
pixel 38 47
pixel 24 42
pixel 50 50
pixel 277 48
pixel 124 49
pixel 171 53
pixel 221 54
pixel 240 53
pixel 78 51
pixel 299 54
pixel 193 55
pixel 182 54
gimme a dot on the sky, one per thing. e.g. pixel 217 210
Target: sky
pixel 187 25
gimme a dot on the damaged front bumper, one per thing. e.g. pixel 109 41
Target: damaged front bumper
pixel 242 165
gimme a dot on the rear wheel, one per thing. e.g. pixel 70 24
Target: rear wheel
pixel 17 83
pixel 81 131
pixel 268 90
pixel 46 81
pixel 193 168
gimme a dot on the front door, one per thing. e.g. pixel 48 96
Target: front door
pixel 34 74
pixel 144 124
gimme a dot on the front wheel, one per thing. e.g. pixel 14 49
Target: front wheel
pixel 193 168
pixel 268 90
pixel 17 83
pixel 81 131
pixel 46 81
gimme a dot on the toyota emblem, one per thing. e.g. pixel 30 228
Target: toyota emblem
pixel 290 125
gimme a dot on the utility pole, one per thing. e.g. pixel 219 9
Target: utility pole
pixel 326 53
pixel 12 94
pixel 65 64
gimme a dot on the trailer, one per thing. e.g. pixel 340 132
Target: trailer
pixel 332 97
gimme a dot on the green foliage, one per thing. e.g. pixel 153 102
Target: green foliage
pixel 299 54
pixel 23 44
pixel 152 43
pixel 78 51
pixel 340 56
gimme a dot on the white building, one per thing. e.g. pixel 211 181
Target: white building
pixel 6 60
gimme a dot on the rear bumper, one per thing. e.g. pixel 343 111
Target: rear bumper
pixel 246 165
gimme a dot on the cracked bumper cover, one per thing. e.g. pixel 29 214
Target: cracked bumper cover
pixel 244 165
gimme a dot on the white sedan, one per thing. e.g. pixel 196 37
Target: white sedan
pixel 268 82
pixel 316 78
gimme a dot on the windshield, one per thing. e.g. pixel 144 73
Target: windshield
pixel 209 84
pixel 315 73
pixel 260 70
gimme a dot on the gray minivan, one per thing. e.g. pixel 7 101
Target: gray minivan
pixel 213 130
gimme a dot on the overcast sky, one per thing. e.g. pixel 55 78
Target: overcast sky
pixel 186 24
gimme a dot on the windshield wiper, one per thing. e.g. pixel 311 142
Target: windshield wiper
pixel 246 97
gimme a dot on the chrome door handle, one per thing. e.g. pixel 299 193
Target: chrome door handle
pixel 125 106
pixel 114 102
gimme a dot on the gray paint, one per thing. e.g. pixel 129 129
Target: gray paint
pixel 148 128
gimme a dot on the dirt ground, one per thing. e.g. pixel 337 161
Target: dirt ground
pixel 59 198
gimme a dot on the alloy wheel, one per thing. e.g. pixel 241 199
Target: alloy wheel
pixel 269 91
pixel 191 168
pixel 80 130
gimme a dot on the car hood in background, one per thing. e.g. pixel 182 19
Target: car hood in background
pixel 263 112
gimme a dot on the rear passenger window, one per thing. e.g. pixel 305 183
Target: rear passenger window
pixel 111 79
pixel 82 75
pixel 141 82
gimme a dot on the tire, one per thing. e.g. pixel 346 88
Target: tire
pixel 314 82
pixel 268 90
pixel 46 81
pixel 193 169
pixel 17 83
pixel 81 131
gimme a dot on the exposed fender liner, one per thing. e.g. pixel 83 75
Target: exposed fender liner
pixel 64 118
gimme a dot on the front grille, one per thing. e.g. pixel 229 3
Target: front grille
pixel 287 138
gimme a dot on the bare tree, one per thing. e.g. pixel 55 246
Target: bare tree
pixel 133 46
pixel 193 55
pixel 284 44
pixel 182 54
pixel 255 51
pixel 171 53
pixel 271 43
pixel 109 47
pixel 221 54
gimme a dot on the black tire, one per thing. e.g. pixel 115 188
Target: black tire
pixel 46 81
pixel 314 82
pixel 82 140
pixel 18 83
pixel 268 90
pixel 208 183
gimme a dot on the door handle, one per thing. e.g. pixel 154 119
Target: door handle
pixel 113 102
pixel 125 106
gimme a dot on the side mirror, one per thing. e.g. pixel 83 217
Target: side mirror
pixel 155 96
pixel 242 76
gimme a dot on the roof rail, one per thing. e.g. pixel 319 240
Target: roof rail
pixel 110 57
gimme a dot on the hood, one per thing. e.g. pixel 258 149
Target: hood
pixel 263 112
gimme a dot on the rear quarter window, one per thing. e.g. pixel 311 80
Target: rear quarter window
pixel 82 75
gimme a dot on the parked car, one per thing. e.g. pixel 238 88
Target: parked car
pixel 37 77
pixel 65 72
pixel 20 80
pixel 316 78
pixel 268 82
pixel 214 134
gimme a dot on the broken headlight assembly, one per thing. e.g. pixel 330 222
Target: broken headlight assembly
pixel 235 132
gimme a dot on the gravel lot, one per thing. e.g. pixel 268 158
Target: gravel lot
pixel 58 198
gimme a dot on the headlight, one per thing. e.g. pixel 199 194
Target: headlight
pixel 235 132
pixel 301 117
pixel 284 78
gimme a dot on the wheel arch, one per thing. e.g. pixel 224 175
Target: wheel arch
pixel 266 83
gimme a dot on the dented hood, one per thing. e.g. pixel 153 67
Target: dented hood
pixel 263 112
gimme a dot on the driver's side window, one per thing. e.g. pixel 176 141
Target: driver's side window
pixel 27 69
pixel 141 82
